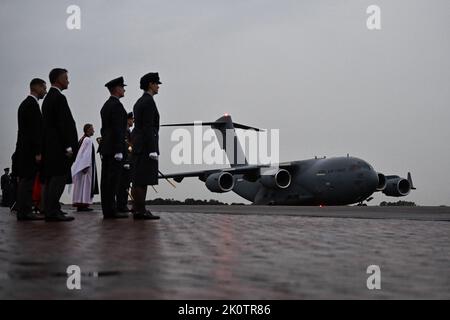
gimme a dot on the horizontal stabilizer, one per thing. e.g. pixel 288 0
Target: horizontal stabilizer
pixel 244 127
pixel 214 125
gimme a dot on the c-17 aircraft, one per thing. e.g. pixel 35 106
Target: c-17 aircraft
pixel 319 181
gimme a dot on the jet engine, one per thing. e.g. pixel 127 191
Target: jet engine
pixel 280 179
pixel 382 182
pixel 397 187
pixel 220 182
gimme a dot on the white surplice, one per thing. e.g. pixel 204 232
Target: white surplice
pixel 82 182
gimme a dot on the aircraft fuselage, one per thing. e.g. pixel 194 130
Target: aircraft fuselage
pixel 321 181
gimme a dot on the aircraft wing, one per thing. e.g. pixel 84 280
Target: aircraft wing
pixel 249 170
pixel 203 174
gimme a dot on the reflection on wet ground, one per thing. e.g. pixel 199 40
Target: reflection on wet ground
pixel 188 255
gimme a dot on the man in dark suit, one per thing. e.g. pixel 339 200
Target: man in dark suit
pixel 145 137
pixel 29 149
pixel 60 145
pixel 112 148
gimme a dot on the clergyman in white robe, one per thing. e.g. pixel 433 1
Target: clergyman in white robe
pixel 84 174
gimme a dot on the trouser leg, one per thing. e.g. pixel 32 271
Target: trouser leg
pixel 139 194
pixel 54 190
pixel 42 203
pixel 124 187
pixel 4 198
pixel 103 183
pixel 109 184
pixel 25 196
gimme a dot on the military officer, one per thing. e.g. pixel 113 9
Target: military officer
pixel 112 148
pixel 145 138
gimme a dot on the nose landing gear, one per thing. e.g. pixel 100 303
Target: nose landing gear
pixel 362 204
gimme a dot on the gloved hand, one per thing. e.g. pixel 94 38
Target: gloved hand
pixel 153 156
pixel 126 166
pixel 69 152
pixel 118 156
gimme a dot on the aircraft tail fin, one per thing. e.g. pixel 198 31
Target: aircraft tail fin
pixel 226 127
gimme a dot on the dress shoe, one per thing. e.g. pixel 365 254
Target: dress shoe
pixel 116 215
pixel 124 209
pixel 59 218
pixel 147 215
pixel 28 217
pixel 84 209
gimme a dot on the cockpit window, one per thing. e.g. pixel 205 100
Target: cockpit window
pixel 360 165
pixel 364 165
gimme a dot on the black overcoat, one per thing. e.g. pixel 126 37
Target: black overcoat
pixel 60 133
pixel 29 138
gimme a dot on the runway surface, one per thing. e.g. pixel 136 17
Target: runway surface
pixel 231 252
pixel 396 213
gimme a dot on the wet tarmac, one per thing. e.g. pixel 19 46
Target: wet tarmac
pixel 231 252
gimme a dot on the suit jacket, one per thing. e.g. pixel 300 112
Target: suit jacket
pixel 114 127
pixel 145 135
pixel 29 137
pixel 60 133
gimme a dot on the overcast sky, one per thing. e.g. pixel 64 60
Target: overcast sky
pixel 310 68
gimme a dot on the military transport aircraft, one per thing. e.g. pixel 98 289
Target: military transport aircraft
pixel 319 181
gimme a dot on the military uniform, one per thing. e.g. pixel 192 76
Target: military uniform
pixel 145 137
pixel 114 126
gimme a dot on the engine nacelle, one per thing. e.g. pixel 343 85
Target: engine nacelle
pixel 220 182
pixel 280 179
pixel 382 182
pixel 397 187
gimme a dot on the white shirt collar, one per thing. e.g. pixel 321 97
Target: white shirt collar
pixel 57 89
pixel 37 100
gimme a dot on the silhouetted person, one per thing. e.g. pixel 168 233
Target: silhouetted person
pixel 112 148
pixel 60 145
pixel 29 149
pixel 12 195
pixel 145 138
pixel 125 178
pixel 5 184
